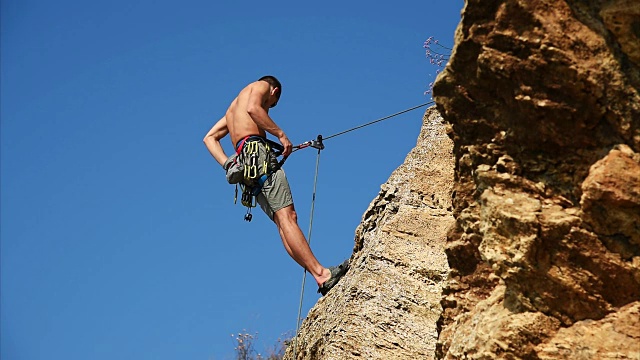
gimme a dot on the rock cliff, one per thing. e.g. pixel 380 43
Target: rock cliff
pixel 543 97
pixel 387 305
pixel 512 230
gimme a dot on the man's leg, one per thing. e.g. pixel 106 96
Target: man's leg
pixel 276 195
pixel 296 245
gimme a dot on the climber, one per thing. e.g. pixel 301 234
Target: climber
pixel 247 120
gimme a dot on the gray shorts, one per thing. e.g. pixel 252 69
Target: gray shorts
pixel 275 193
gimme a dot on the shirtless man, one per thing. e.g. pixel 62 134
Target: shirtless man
pixel 248 115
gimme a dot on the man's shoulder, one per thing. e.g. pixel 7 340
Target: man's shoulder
pixel 259 85
pixel 255 85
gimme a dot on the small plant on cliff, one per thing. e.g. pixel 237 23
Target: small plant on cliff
pixel 438 56
pixel 245 349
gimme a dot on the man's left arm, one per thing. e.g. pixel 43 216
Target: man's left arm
pixel 213 137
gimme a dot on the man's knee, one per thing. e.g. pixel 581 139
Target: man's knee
pixel 286 214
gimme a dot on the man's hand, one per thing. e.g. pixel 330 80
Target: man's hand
pixel 286 144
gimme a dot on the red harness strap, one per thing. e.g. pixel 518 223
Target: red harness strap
pixel 241 144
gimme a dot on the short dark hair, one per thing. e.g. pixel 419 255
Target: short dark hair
pixel 273 82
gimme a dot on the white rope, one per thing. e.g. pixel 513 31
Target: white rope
pixel 304 275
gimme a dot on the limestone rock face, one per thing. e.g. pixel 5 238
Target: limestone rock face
pixel 543 98
pixel 542 101
pixel 387 305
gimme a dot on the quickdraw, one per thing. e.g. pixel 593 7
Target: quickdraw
pixel 254 174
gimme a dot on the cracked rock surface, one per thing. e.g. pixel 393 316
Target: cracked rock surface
pixel 387 305
pixel 544 102
pixel 519 238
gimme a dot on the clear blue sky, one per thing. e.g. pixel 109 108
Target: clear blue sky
pixel 119 236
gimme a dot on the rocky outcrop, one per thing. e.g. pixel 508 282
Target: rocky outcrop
pixel 387 305
pixel 542 261
pixel 543 97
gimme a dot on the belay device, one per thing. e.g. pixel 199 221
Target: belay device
pixel 254 174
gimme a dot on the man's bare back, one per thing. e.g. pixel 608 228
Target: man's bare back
pixel 247 115
pixel 239 121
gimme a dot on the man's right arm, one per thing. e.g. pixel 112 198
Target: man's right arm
pixel 261 117
pixel 213 137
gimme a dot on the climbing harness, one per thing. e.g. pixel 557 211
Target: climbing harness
pixel 255 174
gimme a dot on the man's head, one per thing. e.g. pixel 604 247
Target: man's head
pixel 276 87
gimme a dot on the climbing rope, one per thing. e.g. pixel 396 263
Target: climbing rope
pixel 318 144
pixel 304 276
pixel 379 120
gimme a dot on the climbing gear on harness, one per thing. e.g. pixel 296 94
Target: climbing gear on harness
pixel 245 170
pixel 254 173
pixel 315 143
pixel 233 169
